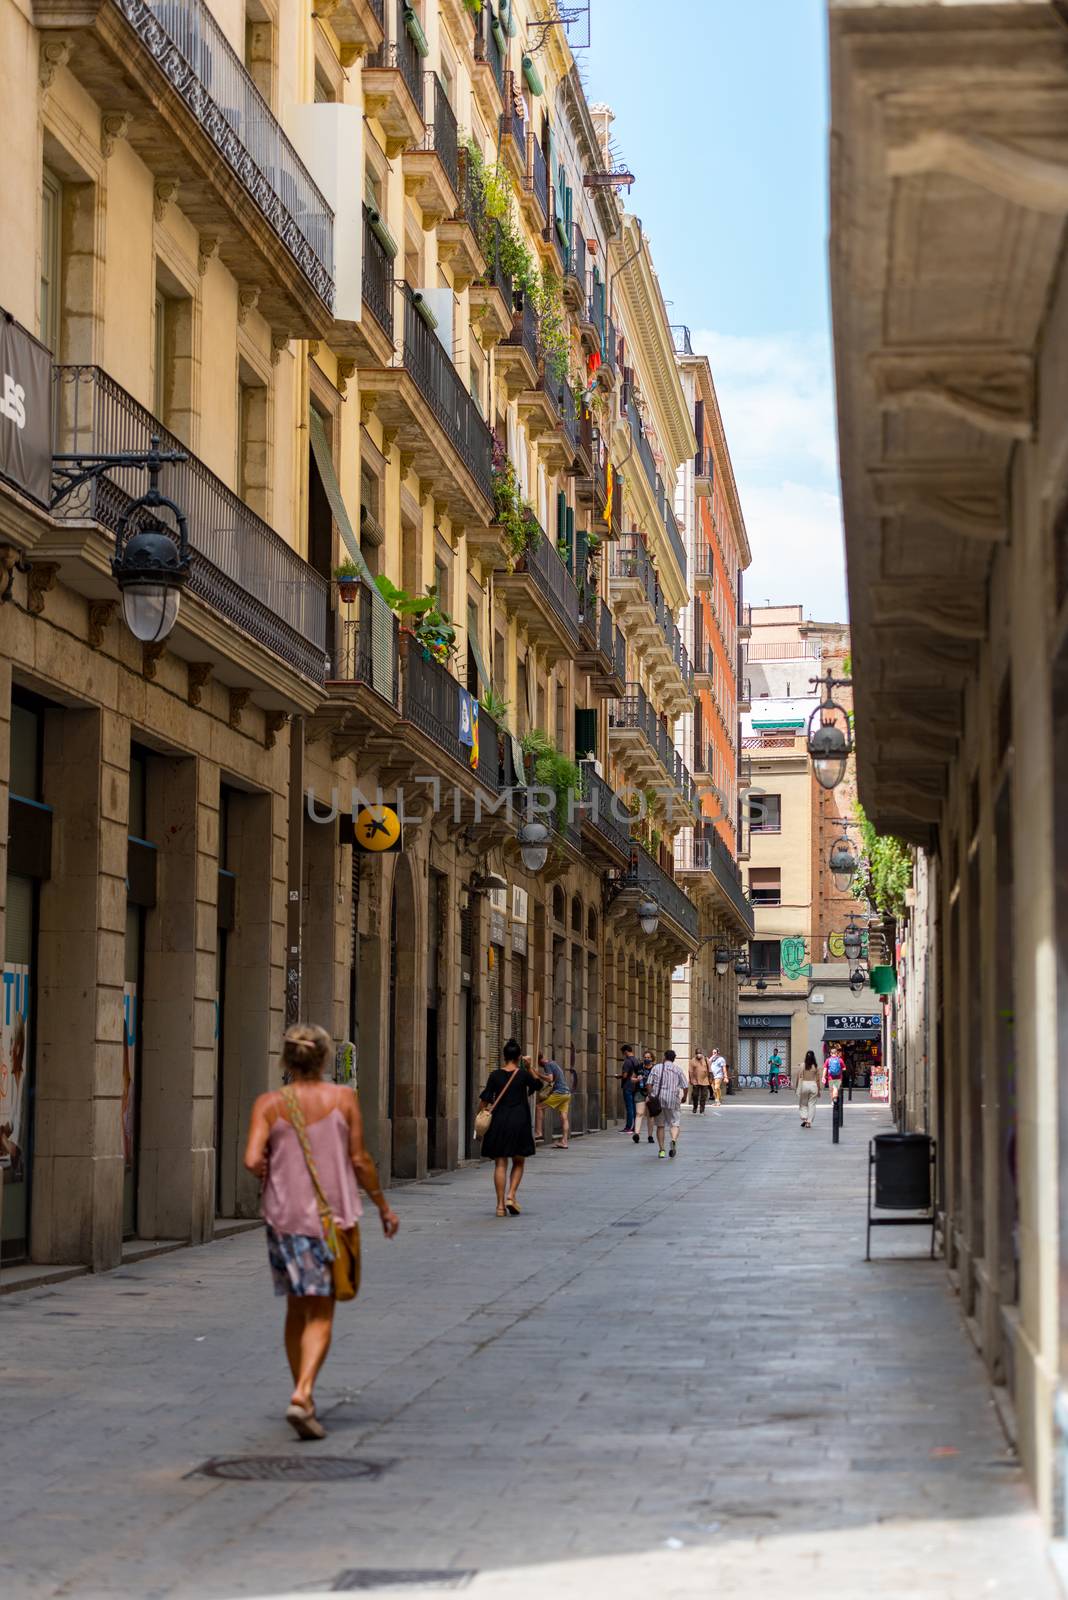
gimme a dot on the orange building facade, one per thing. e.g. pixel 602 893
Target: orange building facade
pixel 705 1005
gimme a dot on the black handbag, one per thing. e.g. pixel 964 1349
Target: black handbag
pixel 653 1103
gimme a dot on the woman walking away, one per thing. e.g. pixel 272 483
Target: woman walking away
pixel 509 1137
pixel 641 1115
pixel 808 1088
pixel 305 1144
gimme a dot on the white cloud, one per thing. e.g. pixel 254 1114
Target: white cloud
pixel 777 400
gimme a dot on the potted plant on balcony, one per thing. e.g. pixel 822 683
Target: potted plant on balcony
pixel 348 582
pixel 422 617
pixel 549 769
pixel 495 706
pixel 513 514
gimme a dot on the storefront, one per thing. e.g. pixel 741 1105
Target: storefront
pixel 760 1036
pixel 859 1036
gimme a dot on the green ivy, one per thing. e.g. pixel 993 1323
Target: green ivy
pixel 889 869
pixel 551 770
pixel 516 517
pixel 473 7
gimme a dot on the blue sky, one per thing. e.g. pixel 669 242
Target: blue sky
pixel 721 113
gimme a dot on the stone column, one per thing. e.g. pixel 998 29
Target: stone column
pixel 5 762
pixel 78 1162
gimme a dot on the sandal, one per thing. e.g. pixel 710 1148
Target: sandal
pixel 501 1212
pixel 512 1208
pixel 304 1422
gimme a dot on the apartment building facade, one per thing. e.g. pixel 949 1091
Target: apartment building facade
pixel 706 855
pixel 349 267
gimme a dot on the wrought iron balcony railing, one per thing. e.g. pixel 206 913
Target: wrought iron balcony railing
pixel 377 275
pixel 513 124
pixel 367 648
pixel 634 710
pixel 488 51
pixel 401 52
pixel 604 811
pixel 525 330
pixel 446 394
pixel 681 335
pixel 609 344
pixel 497 276
pixel 471 206
pixel 191 48
pixel 441 131
pixel 576 256
pixel 537 179
pixel 704 850
pixel 628 558
pixel 675 539
pixel 431 703
pixel 240 566
pixel 550 574
pixel 649 878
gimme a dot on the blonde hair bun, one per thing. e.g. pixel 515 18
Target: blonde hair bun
pixel 305 1048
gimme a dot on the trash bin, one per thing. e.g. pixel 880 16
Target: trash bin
pixel 902 1171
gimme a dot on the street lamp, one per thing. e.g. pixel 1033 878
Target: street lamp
pixel 858 979
pixel 649 915
pixel 843 862
pixel 534 845
pixel 150 564
pixel 723 960
pixel 830 735
pixel 742 969
pixel 852 941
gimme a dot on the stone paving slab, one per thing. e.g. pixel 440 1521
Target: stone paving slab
pixel 718 1398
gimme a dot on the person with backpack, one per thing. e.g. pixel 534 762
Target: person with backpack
pixel 834 1071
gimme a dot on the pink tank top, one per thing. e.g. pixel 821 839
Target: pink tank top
pixel 288 1196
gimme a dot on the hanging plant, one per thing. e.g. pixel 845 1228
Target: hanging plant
pixel 500 235
pixel 511 511
pixel 548 768
pixel 552 319
pixel 431 627
pixel 495 706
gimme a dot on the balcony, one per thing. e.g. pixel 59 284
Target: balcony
pixel 518 357
pixel 604 648
pixel 193 112
pixel 604 821
pixel 542 593
pixel 489 76
pixel 745 694
pixel 644 616
pixel 369 342
pixel 512 135
pixel 393 86
pixel 704 667
pixel 575 270
pixel 460 235
pixel 534 187
pixel 609 353
pixel 358 25
pixel 703 474
pixel 491 300
pixel 645 879
pixel 675 539
pixel 251 606
pixel 707 867
pixel 559 438
pixel 431 706
pixel 642 743
pixel 644 451
pixel 424 401
pixel 432 167
pixel 704 568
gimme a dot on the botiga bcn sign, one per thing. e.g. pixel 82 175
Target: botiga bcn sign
pixel 25 411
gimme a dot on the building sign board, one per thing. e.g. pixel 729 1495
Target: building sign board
pixel 25 411
pixel 857 1024
pixel 764 1019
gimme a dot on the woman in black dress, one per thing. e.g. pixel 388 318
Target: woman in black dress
pixel 510 1137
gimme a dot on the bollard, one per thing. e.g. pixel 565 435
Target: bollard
pixel 836 1117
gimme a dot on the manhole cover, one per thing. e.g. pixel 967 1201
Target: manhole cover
pixel 288 1469
pixel 423 1578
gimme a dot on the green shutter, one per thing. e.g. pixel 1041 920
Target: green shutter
pixel 571 540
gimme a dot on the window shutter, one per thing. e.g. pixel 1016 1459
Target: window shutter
pixel 585 733
pixel 569 520
pixel 699 429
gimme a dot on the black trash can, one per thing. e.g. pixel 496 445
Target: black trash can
pixel 902 1165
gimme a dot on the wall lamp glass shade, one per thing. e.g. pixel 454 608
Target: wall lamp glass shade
pixel 649 916
pixel 150 575
pixel 534 845
pixel 829 749
pixel 742 968
pixel 843 862
pixel 852 941
pixel 858 979
pixel 723 960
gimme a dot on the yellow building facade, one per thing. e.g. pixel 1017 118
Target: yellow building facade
pixel 366 267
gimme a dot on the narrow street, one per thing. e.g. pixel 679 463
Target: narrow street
pixel 665 1378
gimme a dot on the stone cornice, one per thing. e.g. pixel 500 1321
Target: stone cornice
pixel 654 346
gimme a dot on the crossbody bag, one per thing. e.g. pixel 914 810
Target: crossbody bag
pixel 484 1118
pixel 342 1243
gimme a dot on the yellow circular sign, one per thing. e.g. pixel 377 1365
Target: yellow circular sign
pixel 377 828
pixel 836 945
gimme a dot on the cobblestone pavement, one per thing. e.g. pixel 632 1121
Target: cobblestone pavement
pixel 667 1378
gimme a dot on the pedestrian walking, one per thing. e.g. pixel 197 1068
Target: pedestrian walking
pixel 718 1069
pixel 305 1144
pixel 628 1074
pixel 508 1136
pixel 699 1082
pixel 808 1088
pixel 556 1094
pixel 774 1068
pixel 833 1071
pixel 665 1090
pixel 641 1115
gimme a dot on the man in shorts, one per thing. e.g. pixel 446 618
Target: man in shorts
pixel 718 1068
pixel 667 1083
pixel 557 1096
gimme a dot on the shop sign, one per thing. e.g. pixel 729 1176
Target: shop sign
pixel 25 410
pixel 763 1019
pixel 496 927
pixel 853 1023
pixel 519 938
pixel 377 829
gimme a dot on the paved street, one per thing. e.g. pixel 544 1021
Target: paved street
pixel 665 1379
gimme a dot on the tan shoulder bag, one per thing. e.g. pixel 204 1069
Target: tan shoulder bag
pixel 484 1118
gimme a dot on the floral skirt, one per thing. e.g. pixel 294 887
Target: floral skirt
pixel 300 1264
